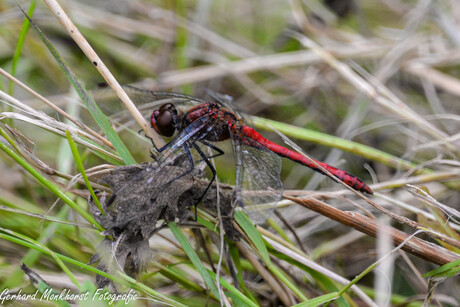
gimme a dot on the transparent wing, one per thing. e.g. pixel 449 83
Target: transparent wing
pixel 145 100
pixel 258 183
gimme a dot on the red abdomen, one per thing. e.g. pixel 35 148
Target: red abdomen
pixel 347 178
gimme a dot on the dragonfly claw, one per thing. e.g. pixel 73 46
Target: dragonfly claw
pixel 153 156
pixel 151 140
pixel 195 204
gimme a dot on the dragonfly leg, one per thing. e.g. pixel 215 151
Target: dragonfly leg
pixel 152 155
pixel 220 152
pixel 111 200
pixel 192 164
pixel 192 167
pixel 213 170
pixel 153 143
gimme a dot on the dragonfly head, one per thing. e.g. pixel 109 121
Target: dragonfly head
pixel 164 120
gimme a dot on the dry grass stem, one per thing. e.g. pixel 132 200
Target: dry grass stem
pixel 56 108
pixel 73 31
pixel 423 249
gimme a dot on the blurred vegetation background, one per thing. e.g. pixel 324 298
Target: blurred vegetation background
pixel 383 75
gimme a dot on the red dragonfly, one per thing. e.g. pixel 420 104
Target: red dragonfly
pixel 192 121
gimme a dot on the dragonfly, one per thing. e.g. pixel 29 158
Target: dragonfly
pixel 194 124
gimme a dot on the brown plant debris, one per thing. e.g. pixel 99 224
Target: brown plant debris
pixel 145 198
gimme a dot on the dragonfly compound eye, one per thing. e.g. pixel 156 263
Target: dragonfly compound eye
pixel 162 120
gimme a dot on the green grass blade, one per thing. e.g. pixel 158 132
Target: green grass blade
pixel 51 253
pixel 180 277
pixel 79 163
pixel 249 228
pixel 234 253
pixel 194 258
pixel 234 292
pixel 123 279
pixel 335 142
pixel 103 153
pixel 320 300
pixel 49 185
pixel 93 108
pixel 279 230
pixel 108 158
pixel 206 223
pixel 287 282
pixel 33 255
pixel 22 37
pixel 324 282
pixel 395 299
pixel 152 293
pixel 446 269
